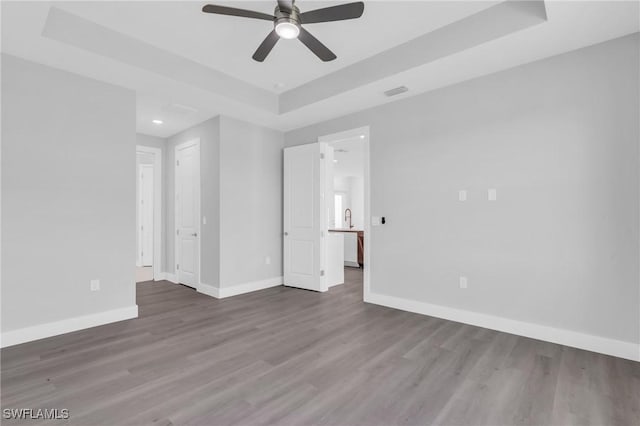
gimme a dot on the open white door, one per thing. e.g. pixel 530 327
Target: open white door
pixel 304 217
pixel 188 213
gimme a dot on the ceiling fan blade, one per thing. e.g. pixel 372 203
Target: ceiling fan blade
pixel 320 50
pixel 285 5
pixel 266 46
pixel 334 13
pixel 232 11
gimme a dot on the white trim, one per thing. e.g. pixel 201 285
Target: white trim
pixel 237 289
pixel 351 264
pixel 166 276
pixel 36 332
pixel 209 290
pixel 618 348
pixel 349 134
pixel 176 245
pixel 234 290
pixel 157 206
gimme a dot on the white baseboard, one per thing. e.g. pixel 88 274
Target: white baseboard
pixel 351 264
pixel 235 290
pixel 618 348
pixel 166 276
pixel 209 290
pixel 27 334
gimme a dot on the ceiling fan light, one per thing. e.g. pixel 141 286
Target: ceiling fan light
pixel 287 30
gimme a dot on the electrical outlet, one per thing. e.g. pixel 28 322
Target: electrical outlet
pixel 463 282
pixel 267 260
pixel 462 195
pixel 492 194
pixel 95 285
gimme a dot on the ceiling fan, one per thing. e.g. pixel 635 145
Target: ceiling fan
pixel 287 21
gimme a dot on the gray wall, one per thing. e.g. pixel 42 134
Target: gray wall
pixel 209 134
pixel 68 195
pixel 559 139
pixel 160 143
pixel 250 202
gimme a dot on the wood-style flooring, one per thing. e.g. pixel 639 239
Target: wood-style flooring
pixel 284 356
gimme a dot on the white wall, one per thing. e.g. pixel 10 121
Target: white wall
pixel 241 184
pixel 250 202
pixel 209 134
pixel 352 190
pixel 559 139
pixel 356 185
pixel 68 199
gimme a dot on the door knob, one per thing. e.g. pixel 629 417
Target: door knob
pixel 286 233
pixel 195 234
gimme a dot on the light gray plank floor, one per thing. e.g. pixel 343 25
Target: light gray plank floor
pixel 293 357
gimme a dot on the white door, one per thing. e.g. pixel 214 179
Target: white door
pixel 304 217
pixel 187 213
pixel 146 215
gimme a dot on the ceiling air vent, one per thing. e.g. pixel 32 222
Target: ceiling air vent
pixel 396 91
pixel 178 109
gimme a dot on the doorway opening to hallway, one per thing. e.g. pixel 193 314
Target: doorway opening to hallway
pixel 148 213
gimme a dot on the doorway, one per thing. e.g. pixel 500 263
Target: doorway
pixel 148 213
pixel 348 198
pixel 317 236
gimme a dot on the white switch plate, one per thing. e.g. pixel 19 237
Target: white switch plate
pixel 204 220
pixel 375 220
pixel 492 194
pixel 95 285
pixel 462 195
pixel 463 282
pixel 267 260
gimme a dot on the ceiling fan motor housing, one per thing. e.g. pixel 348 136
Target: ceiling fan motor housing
pixel 286 17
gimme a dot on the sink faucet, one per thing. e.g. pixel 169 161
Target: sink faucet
pixel 347 217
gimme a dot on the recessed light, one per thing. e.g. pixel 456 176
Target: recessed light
pixel 361 136
pixel 335 161
pixel 278 86
pixel 157 121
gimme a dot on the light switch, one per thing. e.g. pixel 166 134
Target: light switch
pixel 462 195
pixel 492 194
pixel 204 220
pixel 463 282
pixel 267 260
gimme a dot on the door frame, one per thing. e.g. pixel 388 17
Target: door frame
pixel 141 212
pixel 157 206
pixel 176 246
pixel 350 134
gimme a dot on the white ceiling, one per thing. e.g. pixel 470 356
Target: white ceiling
pixel 225 44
